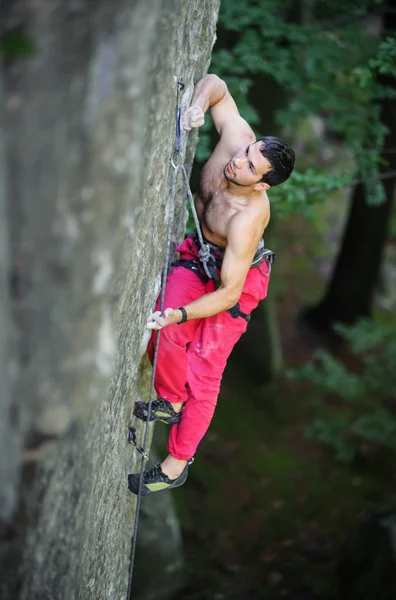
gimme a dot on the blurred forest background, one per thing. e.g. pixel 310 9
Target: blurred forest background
pixel 294 487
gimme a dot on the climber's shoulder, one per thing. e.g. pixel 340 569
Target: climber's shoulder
pixel 234 131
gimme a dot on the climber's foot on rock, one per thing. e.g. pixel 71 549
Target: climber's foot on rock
pixel 155 480
pixel 161 410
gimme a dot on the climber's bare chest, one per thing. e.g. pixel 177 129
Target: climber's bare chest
pixel 214 206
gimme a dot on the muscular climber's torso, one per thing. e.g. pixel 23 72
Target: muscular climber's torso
pixel 216 206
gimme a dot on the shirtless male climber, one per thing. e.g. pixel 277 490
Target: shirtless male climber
pixel 198 331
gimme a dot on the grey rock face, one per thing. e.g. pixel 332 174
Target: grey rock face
pixel 89 128
pixel 9 451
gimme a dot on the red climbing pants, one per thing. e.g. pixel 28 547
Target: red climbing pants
pixel 192 356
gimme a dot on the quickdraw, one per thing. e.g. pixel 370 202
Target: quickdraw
pixel 132 439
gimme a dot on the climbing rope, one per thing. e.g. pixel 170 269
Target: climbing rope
pixel 142 449
pixel 204 253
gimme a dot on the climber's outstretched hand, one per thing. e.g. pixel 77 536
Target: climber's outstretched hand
pixel 168 317
pixel 192 117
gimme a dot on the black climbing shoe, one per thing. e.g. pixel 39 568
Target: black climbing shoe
pixel 154 480
pixel 161 410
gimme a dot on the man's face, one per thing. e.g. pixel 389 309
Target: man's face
pixel 247 167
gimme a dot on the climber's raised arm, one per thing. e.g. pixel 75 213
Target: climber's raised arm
pixel 212 93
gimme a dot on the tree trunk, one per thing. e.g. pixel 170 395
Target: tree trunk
pixel 349 295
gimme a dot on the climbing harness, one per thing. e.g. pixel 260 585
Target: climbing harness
pixel 214 261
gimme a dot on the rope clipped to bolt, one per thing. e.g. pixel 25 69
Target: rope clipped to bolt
pixel 177 164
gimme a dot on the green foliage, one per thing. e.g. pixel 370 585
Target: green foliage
pixel 332 433
pixel 385 61
pixel 368 395
pixel 325 56
pixel 303 191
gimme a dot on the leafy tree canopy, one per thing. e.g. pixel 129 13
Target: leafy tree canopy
pixel 369 395
pixel 328 58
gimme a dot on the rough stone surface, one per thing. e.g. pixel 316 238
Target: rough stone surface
pixel 89 122
pixel 8 426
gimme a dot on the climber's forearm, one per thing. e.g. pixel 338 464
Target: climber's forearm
pixel 211 304
pixel 206 306
pixel 209 91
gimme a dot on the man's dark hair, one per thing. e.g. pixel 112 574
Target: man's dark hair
pixel 281 157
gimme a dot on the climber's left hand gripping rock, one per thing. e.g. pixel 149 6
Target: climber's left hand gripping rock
pixel 159 320
pixel 193 117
